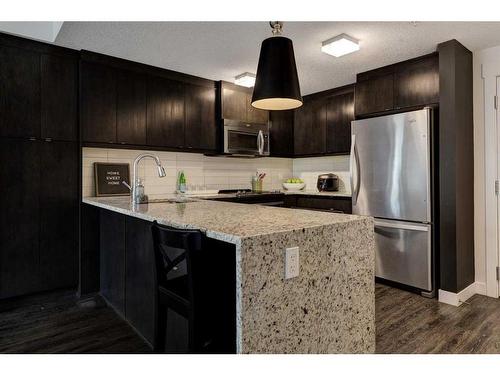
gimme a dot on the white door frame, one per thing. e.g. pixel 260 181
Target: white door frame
pixel 490 75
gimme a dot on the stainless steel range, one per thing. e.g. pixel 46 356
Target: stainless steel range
pixel 265 198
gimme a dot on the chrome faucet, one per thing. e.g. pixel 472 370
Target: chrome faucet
pixel 161 173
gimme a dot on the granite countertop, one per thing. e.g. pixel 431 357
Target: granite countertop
pixel 229 222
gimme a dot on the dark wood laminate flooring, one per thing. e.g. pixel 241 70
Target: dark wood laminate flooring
pixel 409 323
pixel 405 323
pixel 57 323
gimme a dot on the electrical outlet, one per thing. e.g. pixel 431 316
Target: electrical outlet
pixel 291 262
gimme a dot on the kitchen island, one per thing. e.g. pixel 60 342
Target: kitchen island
pixel 328 308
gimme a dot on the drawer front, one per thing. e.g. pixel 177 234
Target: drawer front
pixel 340 205
pixel 403 253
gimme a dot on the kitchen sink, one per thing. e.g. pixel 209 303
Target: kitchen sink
pixel 170 200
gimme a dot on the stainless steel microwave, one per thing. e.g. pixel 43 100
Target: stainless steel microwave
pixel 243 138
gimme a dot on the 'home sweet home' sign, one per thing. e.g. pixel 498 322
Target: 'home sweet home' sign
pixel 109 179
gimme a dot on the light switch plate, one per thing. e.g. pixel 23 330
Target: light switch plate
pixel 292 265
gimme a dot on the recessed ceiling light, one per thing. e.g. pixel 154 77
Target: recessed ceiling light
pixel 245 79
pixel 340 45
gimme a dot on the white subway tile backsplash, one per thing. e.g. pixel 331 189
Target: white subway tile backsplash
pixel 308 169
pixel 213 173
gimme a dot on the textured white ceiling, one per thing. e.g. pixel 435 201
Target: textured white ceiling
pixel 222 50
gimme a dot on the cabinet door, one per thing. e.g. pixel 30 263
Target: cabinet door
pixel 165 113
pixel 112 259
pixel 256 115
pixel 417 83
pixel 19 221
pixel 140 283
pixel 309 128
pixel 59 85
pixel 98 103
pixel 19 93
pixel 200 130
pixel 131 108
pixel 375 95
pixel 59 215
pixel 234 104
pixel 339 114
pixel 281 133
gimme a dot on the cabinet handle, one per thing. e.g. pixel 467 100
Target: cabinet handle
pixel 48 139
pixel 32 138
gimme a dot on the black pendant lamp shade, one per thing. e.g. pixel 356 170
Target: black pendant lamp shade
pixel 276 84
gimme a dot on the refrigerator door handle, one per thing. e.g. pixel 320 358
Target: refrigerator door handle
pixel 354 169
pixel 407 226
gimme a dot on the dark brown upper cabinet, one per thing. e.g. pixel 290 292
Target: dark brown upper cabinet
pixel 408 84
pixel 19 92
pixel 281 133
pixel 165 113
pixel 132 104
pixel 416 83
pixel 98 103
pixel 131 98
pixel 310 127
pixel 200 131
pixel 339 114
pixel 59 97
pixel 374 93
pixel 255 115
pixel 236 104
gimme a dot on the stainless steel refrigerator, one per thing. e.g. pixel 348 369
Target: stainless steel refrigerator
pixel 391 181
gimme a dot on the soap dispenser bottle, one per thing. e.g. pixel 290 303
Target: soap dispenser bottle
pixel 182 182
pixel 141 197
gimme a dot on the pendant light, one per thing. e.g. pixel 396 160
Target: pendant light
pixel 276 85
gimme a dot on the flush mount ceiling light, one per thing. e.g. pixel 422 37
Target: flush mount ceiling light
pixel 276 85
pixel 246 79
pixel 340 45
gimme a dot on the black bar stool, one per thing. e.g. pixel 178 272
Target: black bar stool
pixel 180 325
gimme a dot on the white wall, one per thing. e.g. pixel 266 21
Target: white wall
pixel 482 188
pixel 214 173
pixel 202 172
pixel 308 169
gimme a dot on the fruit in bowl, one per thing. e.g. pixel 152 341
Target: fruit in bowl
pixel 294 184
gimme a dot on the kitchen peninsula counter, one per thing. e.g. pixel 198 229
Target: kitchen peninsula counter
pixel 328 308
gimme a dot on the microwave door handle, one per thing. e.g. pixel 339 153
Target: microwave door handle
pixel 260 142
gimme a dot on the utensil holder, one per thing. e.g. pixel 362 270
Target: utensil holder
pixel 256 185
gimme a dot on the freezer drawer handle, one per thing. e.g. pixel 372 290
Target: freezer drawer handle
pixel 385 224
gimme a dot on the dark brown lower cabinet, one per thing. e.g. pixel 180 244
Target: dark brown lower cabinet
pixel 112 259
pixel 127 279
pixel 325 203
pixel 139 277
pixel 58 215
pixel 39 220
pixel 19 218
